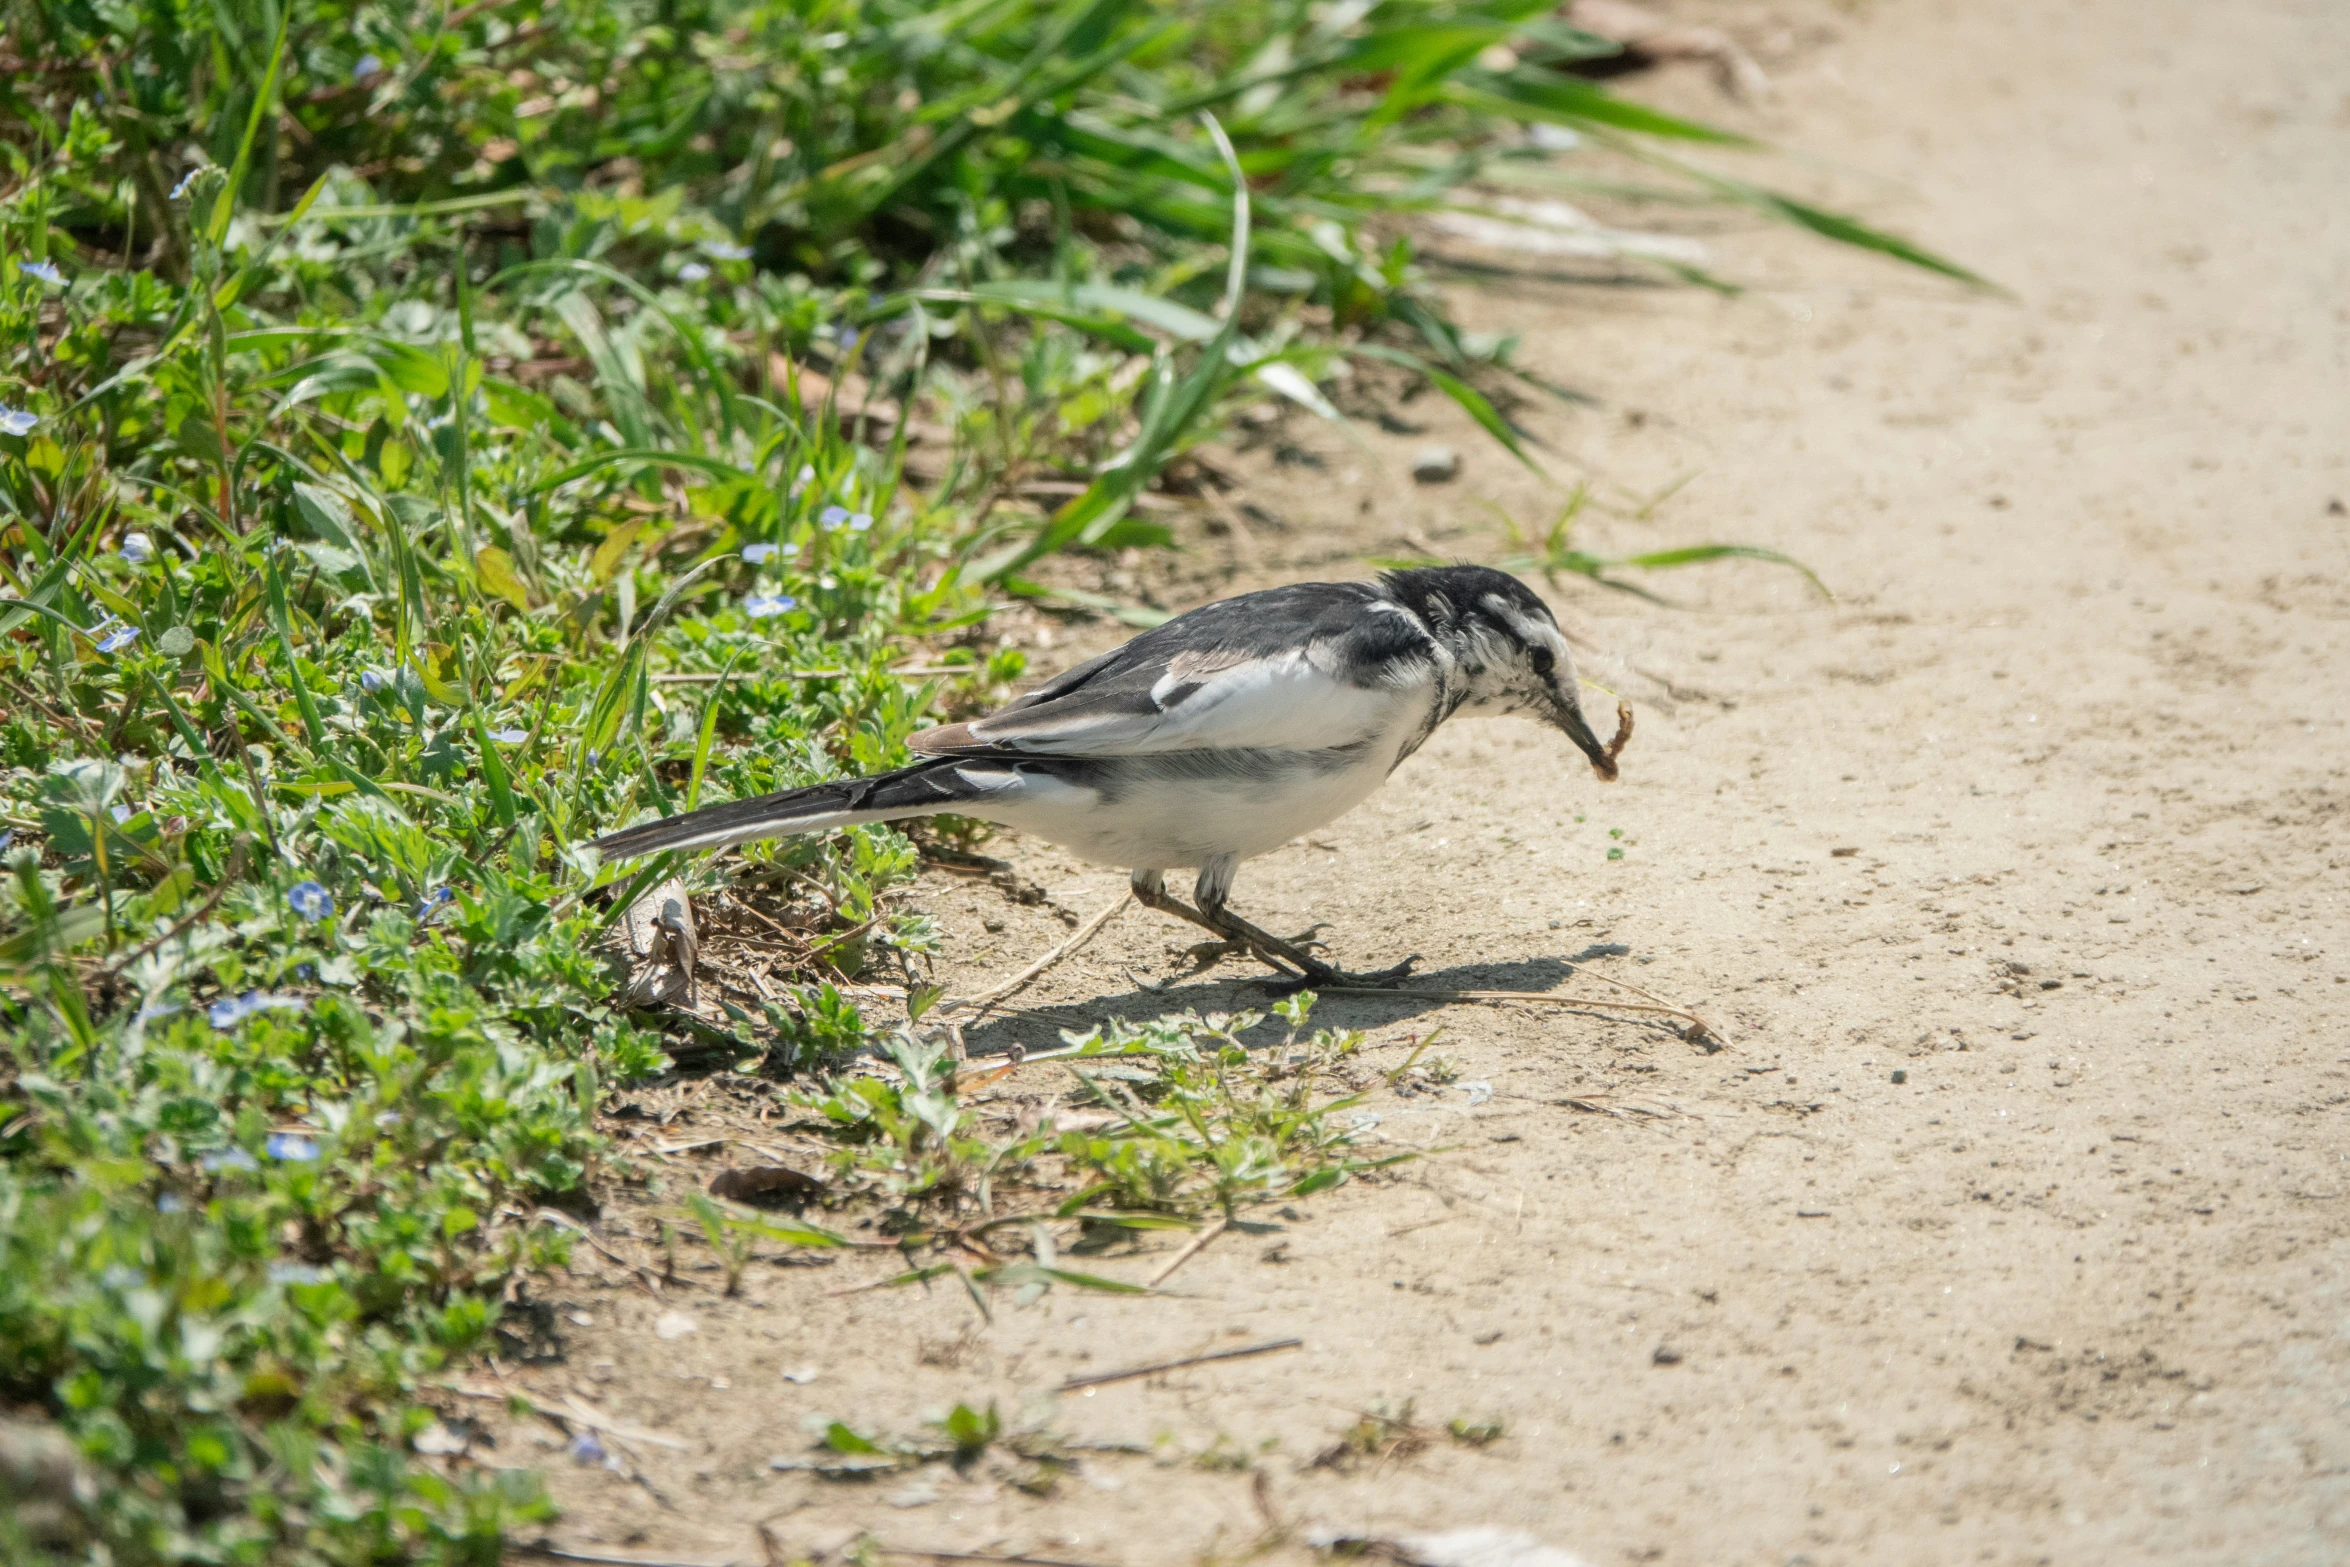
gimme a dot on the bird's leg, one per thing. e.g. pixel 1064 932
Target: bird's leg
pixel 1215 882
pixel 1150 890
pixel 1274 952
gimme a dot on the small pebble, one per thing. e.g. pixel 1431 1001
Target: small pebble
pixel 1666 1355
pixel 1436 465
pixel 1900 1076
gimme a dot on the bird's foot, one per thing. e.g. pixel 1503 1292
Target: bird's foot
pixel 1205 955
pixel 1321 976
pixel 1298 968
pixel 1293 961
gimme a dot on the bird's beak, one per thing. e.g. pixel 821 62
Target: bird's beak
pixel 1569 717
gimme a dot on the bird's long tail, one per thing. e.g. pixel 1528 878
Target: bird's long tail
pixel 919 790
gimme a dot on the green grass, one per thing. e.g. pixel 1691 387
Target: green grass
pixel 406 475
pixel 1171 1125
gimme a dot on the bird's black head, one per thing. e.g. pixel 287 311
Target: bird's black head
pixel 1509 652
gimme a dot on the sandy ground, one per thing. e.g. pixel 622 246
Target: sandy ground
pixel 2014 1226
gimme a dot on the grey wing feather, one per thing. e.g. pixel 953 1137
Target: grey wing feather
pixel 1306 667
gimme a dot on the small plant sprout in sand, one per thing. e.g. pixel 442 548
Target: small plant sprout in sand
pixel 1171 1125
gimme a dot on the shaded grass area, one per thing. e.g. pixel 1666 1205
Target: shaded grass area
pixel 429 439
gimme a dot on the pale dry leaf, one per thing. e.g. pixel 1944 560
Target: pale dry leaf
pixel 438 1441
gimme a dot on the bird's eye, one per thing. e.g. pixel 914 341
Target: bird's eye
pixel 1544 662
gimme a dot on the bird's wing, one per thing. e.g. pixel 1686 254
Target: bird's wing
pixel 1310 667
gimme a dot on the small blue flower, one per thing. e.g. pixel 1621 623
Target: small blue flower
pixel 595 757
pixel 7 838
pixel 692 272
pixel 121 813
pixel 585 1449
pixel 755 553
pixel 368 66
pixel 831 517
pixel 723 250
pixel 860 521
pixel 137 548
pixel 170 1202
pixel 230 1159
pixel 119 638
pixel 762 606
pixel 187 179
pixel 310 900
pixel 15 421
pixel 434 902
pixel 46 271
pixel 293 1273
pixel 292 1147
pixel 373 680
pixel 509 736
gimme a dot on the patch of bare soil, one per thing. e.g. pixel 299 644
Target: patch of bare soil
pixel 2013 1224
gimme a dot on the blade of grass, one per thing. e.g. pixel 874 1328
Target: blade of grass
pixel 224 205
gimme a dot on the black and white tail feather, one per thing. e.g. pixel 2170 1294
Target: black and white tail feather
pixel 1218 736
pixel 923 789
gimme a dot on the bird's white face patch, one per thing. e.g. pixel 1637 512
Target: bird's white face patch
pixel 1509 677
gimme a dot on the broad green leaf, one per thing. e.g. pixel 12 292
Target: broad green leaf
pixel 606 560
pixel 495 568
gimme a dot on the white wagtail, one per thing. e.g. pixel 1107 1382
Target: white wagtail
pixel 1222 734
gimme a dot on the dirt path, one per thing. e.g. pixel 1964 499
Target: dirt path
pixel 2016 1227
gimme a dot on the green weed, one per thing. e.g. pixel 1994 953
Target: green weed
pixel 1197 1128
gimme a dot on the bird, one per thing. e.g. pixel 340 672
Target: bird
pixel 1212 738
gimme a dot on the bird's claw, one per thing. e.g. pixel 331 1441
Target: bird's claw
pixel 1322 976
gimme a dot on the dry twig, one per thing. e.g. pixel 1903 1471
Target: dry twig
pixel 1083 934
pixel 1097 1379
pixel 1191 1249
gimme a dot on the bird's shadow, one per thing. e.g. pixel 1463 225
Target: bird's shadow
pixel 1039 1027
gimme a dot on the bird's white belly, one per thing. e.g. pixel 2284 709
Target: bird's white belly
pixel 1168 823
